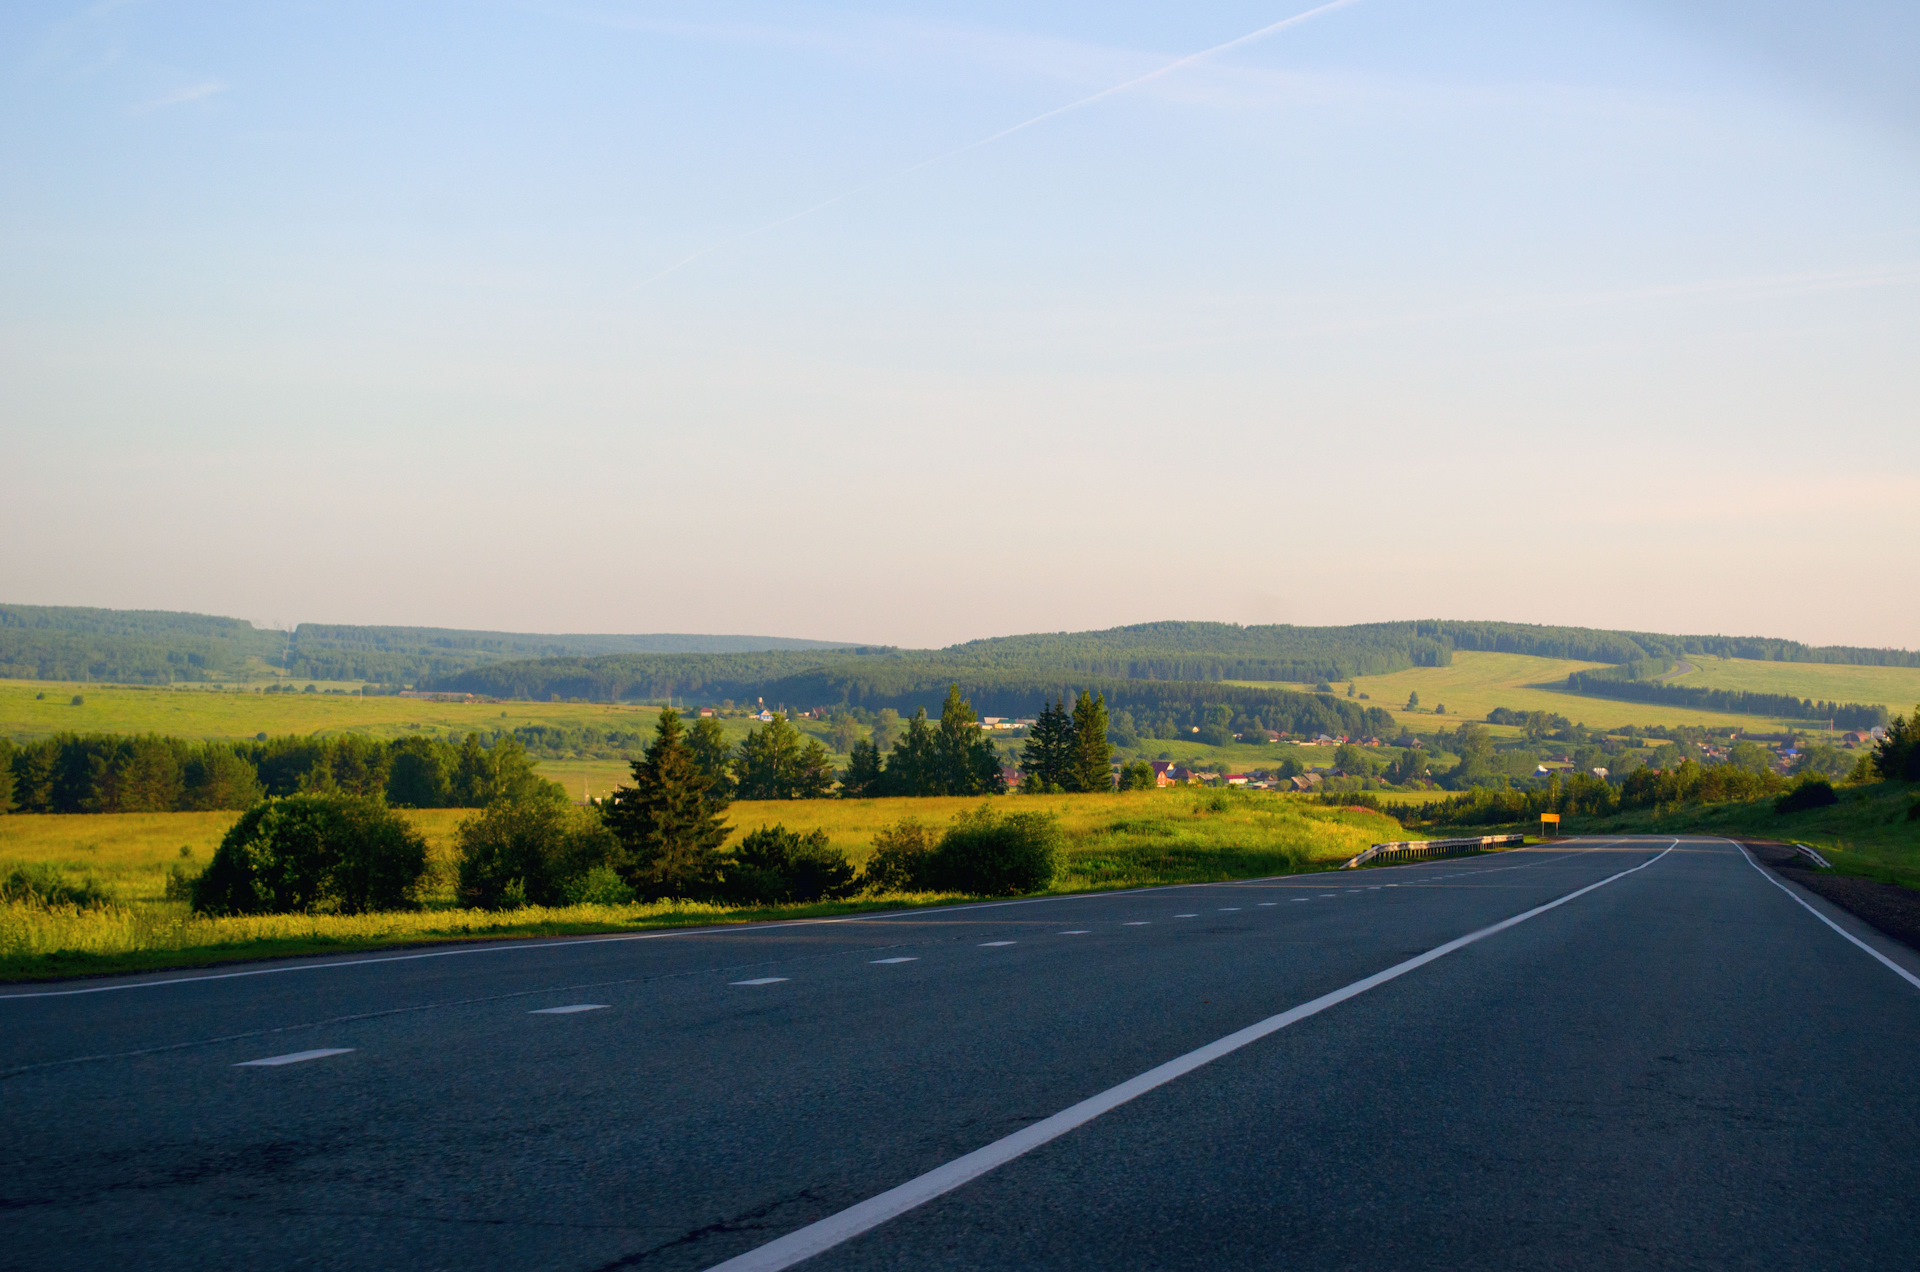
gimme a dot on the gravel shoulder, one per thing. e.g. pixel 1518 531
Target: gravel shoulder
pixel 1888 907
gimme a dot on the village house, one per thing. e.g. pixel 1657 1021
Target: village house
pixel 1163 773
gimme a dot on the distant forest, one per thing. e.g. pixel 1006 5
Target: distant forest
pixel 148 647
pixel 1166 676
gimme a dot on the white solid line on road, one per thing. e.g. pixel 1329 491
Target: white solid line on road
pixel 761 980
pixel 904 958
pixel 1892 966
pixel 1078 932
pixel 806 1242
pixel 294 1057
pixel 568 1010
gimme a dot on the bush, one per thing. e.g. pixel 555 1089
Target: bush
pixel 526 852
pixel 900 856
pixel 1812 792
pixel 345 854
pixel 601 885
pixel 1913 814
pixel 774 866
pixel 989 854
pixel 45 886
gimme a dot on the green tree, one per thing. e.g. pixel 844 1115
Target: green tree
pixel 526 852
pixel 1137 776
pixel 864 776
pixel 712 755
pixel 217 777
pixel 1413 701
pixel 7 752
pixel 1896 756
pixel 965 761
pixel 914 766
pixel 341 853
pixel 1048 753
pixel 842 732
pixel 668 822
pixel 417 775
pixel 886 729
pixel 776 762
pixel 1092 768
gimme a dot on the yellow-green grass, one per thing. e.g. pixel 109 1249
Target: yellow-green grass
pixel 1117 840
pixel 1475 683
pixel 1896 688
pixel 193 712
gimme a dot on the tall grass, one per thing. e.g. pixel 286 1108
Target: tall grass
pixel 1111 841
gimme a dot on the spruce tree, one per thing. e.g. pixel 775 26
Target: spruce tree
pixel 965 761
pixel 1047 756
pixel 1092 756
pixel 865 775
pixel 712 755
pixel 668 821
pixel 913 767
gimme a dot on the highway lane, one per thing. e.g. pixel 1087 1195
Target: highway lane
pixel 1668 1070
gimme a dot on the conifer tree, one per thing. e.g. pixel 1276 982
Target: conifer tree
pixel 1092 764
pixel 712 755
pixel 913 768
pixel 668 821
pixel 965 761
pixel 865 775
pixel 1047 756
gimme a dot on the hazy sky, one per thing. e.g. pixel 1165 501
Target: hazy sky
pixel 1582 312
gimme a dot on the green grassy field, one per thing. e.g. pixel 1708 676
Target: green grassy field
pixel 1112 841
pixel 1476 683
pixel 1896 688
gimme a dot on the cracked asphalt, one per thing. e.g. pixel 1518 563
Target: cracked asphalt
pixel 1683 1068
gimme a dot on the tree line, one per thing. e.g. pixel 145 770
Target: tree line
pixel 1845 715
pixel 148 773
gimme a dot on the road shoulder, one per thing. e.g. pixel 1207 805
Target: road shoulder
pixel 1884 915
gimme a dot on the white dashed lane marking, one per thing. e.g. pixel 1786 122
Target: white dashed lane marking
pixel 905 958
pixel 1138 923
pixel 568 1010
pixel 293 1057
pixel 1269 903
pixel 1186 916
pixel 1228 909
pixel 1078 932
pixel 761 980
pixel 987 945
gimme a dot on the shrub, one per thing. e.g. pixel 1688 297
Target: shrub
pixel 1812 792
pixel 526 851
pixel 45 886
pixel 989 854
pixel 774 865
pixel 900 856
pixel 341 853
pixel 1913 814
pixel 602 885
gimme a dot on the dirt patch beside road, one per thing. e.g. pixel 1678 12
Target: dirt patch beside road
pixel 1889 907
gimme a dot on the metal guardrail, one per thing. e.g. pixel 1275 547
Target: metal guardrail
pixel 1417 849
pixel 1815 857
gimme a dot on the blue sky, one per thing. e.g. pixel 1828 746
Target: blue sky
pixel 493 315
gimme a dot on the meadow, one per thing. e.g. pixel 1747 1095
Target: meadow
pixel 1896 688
pixel 1135 839
pixel 1476 683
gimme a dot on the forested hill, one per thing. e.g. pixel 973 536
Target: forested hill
pixel 159 647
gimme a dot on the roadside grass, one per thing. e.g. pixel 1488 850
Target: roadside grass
pixel 1137 839
pixel 1477 682
pixel 1866 834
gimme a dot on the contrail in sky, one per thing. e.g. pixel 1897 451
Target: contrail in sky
pixel 1175 65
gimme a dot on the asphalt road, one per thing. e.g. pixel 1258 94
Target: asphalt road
pixel 1682 1067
